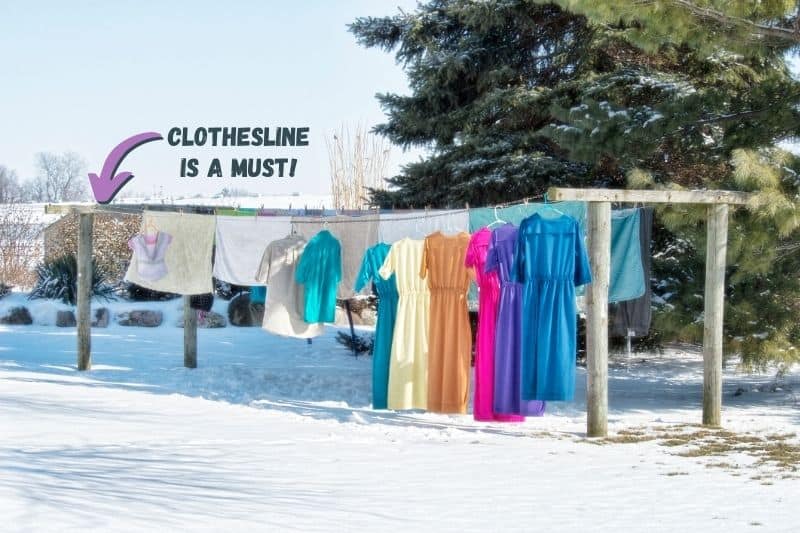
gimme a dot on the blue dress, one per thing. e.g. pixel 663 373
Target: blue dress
pixel 550 260
pixel 320 271
pixel 384 328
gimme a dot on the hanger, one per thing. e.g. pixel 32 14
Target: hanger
pixel 150 226
pixel 497 219
pixel 549 206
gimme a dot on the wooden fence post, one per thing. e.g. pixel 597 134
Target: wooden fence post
pixel 599 242
pixel 84 290
pixel 189 334
pixel 714 305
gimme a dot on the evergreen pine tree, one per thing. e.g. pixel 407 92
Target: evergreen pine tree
pixel 513 96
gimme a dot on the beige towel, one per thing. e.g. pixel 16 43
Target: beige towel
pixel 188 256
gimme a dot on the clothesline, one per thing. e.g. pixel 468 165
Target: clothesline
pixel 415 214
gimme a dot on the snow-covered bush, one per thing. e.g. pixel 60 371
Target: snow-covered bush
pixel 57 279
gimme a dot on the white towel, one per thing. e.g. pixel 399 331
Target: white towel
pixel 188 256
pixel 419 224
pixel 241 242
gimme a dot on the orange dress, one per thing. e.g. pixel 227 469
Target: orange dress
pixel 449 334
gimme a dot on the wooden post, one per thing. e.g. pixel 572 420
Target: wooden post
pixel 84 290
pixel 716 248
pixel 189 334
pixel 599 241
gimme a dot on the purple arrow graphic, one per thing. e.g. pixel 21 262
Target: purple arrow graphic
pixel 106 186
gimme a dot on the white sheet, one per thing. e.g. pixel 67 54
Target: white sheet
pixel 241 242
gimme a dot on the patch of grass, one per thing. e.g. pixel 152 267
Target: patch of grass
pixel 771 452
pixel 674 442
pixel 721 464
pixel 629 439
pixel 711 448
pixel 781 454
pixel 676 474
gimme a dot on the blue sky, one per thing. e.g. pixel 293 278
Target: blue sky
pixel 85 75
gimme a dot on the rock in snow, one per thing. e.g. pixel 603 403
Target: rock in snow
pixel 147 319
pixel 19 316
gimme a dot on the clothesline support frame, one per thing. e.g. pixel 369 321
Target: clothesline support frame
pixel 83 302
pixel 599 244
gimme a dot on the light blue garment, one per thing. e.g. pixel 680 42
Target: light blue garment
pixel 320 271
pixel 387 312
pixel 258 294
pixel 626 280
pixel 515 214
pixel 550 260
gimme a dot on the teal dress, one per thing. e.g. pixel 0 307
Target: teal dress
pixel 550 260
pixel 384 328
pixel 320 271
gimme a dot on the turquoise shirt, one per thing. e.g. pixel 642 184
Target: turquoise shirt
pixel 320 271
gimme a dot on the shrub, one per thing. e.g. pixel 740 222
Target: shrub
pixel 57 279
pixel 360 344
pixel 137 293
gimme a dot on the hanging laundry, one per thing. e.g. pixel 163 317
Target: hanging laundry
pixel 355 234
pixel 449 334
pixel 626 275
pixel 550 260
pixel 635 315
pixel 241 242
pixel 150 252
pixel 420 224
pixel 384 327
pixel 187 257
pixel 622 285
pixel 515 214
pixel 236 212
pixel 489 296
pixel 320 271
pixel 408 368
pixel 283 310
pixel 508 341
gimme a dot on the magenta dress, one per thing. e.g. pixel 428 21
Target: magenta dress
pixel 488 299
pixel 508 346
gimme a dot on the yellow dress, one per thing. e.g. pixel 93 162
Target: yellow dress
pixel 408 367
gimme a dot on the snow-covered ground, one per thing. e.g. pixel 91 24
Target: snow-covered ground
pixel 273 434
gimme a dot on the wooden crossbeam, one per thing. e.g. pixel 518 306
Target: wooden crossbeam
pixel 649 197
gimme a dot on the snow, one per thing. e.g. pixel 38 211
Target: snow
pixel 275 434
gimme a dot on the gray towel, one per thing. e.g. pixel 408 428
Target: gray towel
pixel 636 314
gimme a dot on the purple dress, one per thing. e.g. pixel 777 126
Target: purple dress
pixel 508 341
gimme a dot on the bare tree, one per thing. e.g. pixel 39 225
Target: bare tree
pixel 10 189
pixel 60 178
pixel 358 161
pixel 20 243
